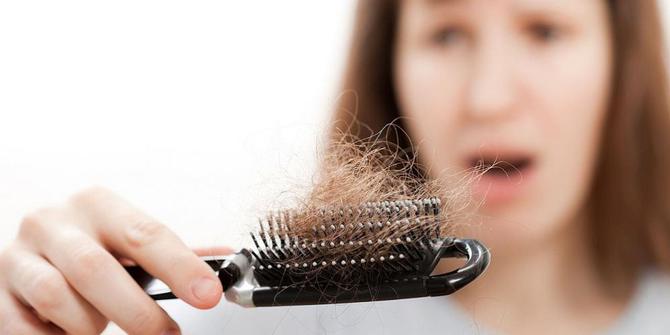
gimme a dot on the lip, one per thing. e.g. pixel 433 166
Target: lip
pixel 507 180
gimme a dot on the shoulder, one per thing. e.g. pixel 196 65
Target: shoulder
pixel 658 282
pixel 648 312
pixel 654 293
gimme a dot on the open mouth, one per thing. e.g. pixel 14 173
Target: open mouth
pixel 502 175
pixel 497 167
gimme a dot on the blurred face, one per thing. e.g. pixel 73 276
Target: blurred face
pixel 523 83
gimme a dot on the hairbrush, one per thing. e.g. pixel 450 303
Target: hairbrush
pixel 374 251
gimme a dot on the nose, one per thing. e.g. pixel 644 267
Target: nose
pixel 492 91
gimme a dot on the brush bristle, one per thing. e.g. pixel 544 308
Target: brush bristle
pixel 347 246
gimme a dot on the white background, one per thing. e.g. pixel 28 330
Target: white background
pixel 201 113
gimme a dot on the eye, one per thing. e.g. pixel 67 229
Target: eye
pixel 543 32
pixel 448 35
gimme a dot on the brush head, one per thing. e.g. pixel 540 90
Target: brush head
pixel 348 246
pixel 376 251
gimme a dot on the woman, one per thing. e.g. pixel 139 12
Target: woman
pixel 571 94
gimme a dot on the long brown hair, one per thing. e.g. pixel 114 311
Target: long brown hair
pixel 629 201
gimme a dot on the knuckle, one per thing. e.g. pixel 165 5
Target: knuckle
pixel 144 232
pixel 87 263
pixel 5 259
pixel 89 195
pixel 45 291
pixel 91 327
pixel 144 321
pixel 99 325
pixel 11 328
pixel 36 221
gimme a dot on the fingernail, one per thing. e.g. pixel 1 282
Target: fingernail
pixel 172 331
pixel 203 287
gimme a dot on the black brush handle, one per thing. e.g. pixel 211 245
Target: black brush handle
pixel 478 260
pixel 228 273
pixel 293 296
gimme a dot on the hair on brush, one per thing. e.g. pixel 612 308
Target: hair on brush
pixel 369 229
pixel 365 201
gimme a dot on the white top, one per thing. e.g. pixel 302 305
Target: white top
pixel 647 313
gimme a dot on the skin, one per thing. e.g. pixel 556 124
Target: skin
pixel 64 273
pixel 499 78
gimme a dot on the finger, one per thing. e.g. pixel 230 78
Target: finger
pixel 36 282
pixel 16 319
pixel 213 251
pixel 154 247
pixel 97 276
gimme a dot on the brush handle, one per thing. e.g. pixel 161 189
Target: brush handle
pixel 478 258
pixel 227 271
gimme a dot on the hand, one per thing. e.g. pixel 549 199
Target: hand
pixel 63 275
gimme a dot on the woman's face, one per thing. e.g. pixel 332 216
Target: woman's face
pixel 522 82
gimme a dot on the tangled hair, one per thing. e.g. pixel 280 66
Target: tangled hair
pixel 373 169
pixel 366 203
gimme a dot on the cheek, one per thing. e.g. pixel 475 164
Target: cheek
pixel 429 93
pixel 570 103
pixel 575 103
